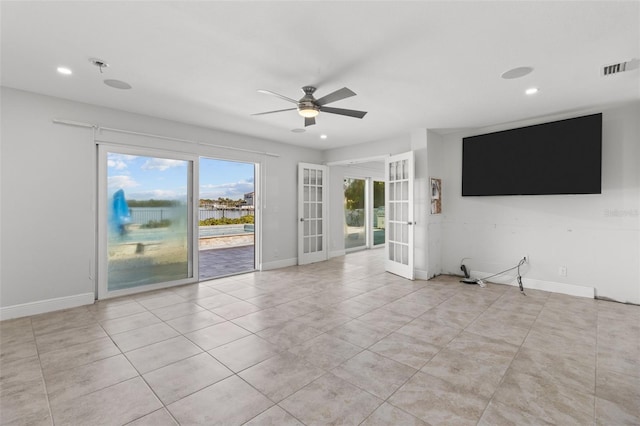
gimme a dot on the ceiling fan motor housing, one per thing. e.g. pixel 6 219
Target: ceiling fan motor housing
pixel 308 90
pixel 309 107
pixel 304 105
pixel 307 104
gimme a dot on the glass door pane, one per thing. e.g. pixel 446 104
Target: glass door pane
pixel 379 225
pixel 312 179
pixel 148 220
pixel 354 213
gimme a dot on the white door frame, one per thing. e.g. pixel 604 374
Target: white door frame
pixel 257 210
pixel 312 241
pixel 399 177
pixel 102 261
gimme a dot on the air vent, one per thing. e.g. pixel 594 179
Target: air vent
pixel 620 67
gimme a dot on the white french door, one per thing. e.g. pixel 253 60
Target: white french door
pixel 399 174
pixel 312 213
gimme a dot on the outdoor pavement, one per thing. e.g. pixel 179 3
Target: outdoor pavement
pixel 226 261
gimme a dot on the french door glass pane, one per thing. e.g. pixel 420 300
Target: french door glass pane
pixel 398 216
pixel 148 220
pixel 312 210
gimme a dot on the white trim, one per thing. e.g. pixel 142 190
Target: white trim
pixel 420 274
pixel 337 253
pixel 258 170
pixel 313 256
pixel 193 198
pixel 533 284
pixel 394 266
pixel 147 288
pixel 356 249
pixel 44 306
pixel 150 135
pixel 357 160
pixel 277 264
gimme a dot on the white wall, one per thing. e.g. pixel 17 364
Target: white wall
pixel 427 149
pixel 597 237
pixel 436 168
pixel 384 147
pixel 48 191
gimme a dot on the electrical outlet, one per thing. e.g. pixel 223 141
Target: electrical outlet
pixel 562 271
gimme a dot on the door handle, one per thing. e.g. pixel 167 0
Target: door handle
pixel 411 223
pixel 302 219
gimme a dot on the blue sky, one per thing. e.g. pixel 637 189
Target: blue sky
pixel 143 178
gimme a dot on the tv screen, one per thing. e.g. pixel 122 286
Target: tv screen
pixel 561 157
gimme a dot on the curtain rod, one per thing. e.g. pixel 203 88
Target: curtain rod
pixel 130 132
pixel 351 162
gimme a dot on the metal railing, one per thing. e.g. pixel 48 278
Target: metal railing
pixel 220 213
pixel 143 215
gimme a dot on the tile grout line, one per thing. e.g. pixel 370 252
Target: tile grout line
pixel 44 382
pixel 327 287
pixel 387 400
pixel 595 370
pixel 512 360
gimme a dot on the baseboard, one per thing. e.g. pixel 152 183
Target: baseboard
pixel 420 274
pixel 44 306
pixel 533 284
pixel 277 264
pixel 337 253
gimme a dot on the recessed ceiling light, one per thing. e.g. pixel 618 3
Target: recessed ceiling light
pixel 323 136
pixel 516 72
pixel 298 130
pixel 117 84
pixel 64 71
pixel 531 91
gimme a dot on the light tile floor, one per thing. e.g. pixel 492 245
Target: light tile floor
pixel 339 342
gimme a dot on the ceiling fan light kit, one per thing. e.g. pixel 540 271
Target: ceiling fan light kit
pixel 308 111
pixel 309 107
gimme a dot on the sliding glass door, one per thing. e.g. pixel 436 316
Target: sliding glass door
pixel 378 214
pixel 145 220
pixel 355 236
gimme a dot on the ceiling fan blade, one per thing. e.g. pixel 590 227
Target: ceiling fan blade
pixel 335 96
pixel 268 92
pixel 309 121
pixel 271 112
pixel 342 111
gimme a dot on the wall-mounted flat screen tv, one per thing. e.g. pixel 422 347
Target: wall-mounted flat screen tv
pixel 561 157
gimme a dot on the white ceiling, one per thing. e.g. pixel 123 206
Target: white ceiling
pixel 413 64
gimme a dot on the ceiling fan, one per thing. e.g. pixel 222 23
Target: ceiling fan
pixel 309 107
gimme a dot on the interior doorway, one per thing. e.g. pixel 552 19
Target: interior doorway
pixel 378 224
pixel 226 218
pixel 355 213
pixel 364 213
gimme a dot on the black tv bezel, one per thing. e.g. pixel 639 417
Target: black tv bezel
pixel 525 193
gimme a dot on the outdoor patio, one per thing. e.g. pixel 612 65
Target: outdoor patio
pixel 226 261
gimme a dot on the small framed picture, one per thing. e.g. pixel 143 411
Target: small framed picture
pixel 436 196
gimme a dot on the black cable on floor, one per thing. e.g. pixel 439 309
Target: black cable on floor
pixel 519 277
